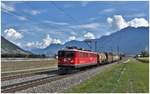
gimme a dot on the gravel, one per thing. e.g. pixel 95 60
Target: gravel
pixel 19 80
pixel 65 83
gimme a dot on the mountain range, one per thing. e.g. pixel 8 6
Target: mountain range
pixel 9 48
pixel 129 40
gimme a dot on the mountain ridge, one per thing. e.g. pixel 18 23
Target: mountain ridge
pixel 10 48
pixel 129 40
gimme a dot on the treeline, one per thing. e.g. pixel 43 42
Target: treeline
pixel 144 54
pixel 23 56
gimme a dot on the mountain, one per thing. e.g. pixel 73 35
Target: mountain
pixel 129 41
pixel 9 48
pixel 50 50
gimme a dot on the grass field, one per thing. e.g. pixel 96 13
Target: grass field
pixel 21 65
pixel 132 76
pixel 144 59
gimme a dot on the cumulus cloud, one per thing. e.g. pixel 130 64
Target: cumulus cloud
pixel 44 43
pixel 56 41
pixel 31 45
pixel 138 22
pixel 89 35
pixel 12 34
pixel 119 22
pixel 47 41
pixel 72 38
pixel 109 20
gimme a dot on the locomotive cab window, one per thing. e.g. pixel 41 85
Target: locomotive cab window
pixel 66 54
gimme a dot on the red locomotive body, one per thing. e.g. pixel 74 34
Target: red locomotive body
pixel 75 58
pixel 70 59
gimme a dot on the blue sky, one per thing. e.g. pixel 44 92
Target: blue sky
pixel 39 24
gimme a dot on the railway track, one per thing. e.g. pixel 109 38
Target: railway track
pixel 21 75
pixel 31 83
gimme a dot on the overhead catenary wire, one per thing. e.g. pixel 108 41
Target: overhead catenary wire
pixel 30 19
pixel 72 18
pixel 67 14
pixel 17 15
pixel 59 27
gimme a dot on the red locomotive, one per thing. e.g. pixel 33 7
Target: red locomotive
pixel 73 58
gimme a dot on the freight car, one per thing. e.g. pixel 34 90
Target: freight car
pixel 116 57
pixel 101 58
pixel 70 59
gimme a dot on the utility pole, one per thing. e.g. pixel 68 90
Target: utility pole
pixel 111 49
pixel 95 46
pixel 89 43
pixel 118 49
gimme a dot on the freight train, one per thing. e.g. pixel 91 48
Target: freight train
pixel 73 58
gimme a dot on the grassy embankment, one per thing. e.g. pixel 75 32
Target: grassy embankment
pixel 144 59
pixel 132 76
pixel 21 65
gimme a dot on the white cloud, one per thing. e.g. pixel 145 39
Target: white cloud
pixel 109 20
pixel 72 38
pixel 56 41
pixel 44 43
pixel 30 45
pixel 57 23
pixel 89 35
pixel 108 33
pixel 12 34
pixel 138 22
pixel 22 18
pixel 119 22
pixel 34 12
pixel 18 44
pixel 108 10
pixel 7 7
pixel 93 26
pixel 47 41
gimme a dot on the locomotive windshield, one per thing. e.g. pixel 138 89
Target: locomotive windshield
pixel 66 54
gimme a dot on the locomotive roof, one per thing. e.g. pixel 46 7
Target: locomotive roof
pixel 77 50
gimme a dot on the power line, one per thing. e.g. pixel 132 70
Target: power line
pixel 67 14
pixel 72 18
pixel 30 19
pixel 69 28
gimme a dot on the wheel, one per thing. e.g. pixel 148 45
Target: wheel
pixel 62 71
